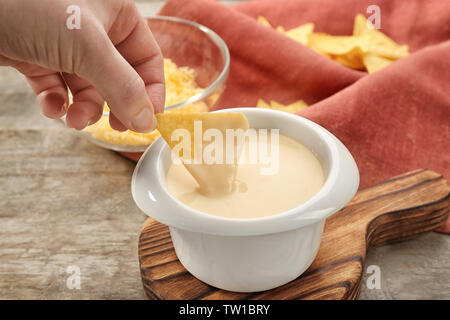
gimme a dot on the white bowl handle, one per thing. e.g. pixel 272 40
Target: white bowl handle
pixel 345 186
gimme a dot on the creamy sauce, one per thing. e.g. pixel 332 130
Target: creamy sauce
pixel 299 177
pixel 217 179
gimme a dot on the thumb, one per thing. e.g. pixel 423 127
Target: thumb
pixel 119 84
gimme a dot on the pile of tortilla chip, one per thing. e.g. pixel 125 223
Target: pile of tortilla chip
pixel 367 49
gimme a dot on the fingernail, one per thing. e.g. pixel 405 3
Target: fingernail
pixel 143 122
pixel 55 104
pixel 65 106
pixel 154 122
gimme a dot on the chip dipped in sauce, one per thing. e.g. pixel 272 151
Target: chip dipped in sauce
pixel 199 140
pixel 268 173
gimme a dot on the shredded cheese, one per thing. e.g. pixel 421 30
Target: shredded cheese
pixel 180 85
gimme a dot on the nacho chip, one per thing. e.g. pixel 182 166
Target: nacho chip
pixel 296 106
pixel 360 25
pixel 102 130
pixel 335 45
pixel 380 44
pixel 276 105
pixel 353 59
pixel 376 41
pixel 185 137
pixel 265 22
pixel 180 85
pixel 367 49
pixel 262 104
pixel 301 33
pixel 373 62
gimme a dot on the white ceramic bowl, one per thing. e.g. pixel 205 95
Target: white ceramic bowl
pixel 248 255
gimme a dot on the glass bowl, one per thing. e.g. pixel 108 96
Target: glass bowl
pixel 189 44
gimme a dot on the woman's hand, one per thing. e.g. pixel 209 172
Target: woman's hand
pixel 112 56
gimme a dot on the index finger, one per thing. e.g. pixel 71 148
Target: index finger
pixel 135 42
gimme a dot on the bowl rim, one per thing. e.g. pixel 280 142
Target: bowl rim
pixel 223 50
pixel 327 201
pixel 217 40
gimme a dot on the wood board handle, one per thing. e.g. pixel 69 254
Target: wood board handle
pixel 397 209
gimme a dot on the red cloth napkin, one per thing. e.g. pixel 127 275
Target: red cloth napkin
pixel 392 121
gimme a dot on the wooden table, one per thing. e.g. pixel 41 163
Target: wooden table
pixel 65 202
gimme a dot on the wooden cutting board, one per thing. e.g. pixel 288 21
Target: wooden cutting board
pixel 397 209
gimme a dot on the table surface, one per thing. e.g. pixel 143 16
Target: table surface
pixel 65 202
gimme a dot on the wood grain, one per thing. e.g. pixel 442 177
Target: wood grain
pixel 397 209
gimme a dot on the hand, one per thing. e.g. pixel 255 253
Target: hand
pixel 112 57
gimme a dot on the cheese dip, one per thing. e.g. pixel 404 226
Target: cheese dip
pixel 299 177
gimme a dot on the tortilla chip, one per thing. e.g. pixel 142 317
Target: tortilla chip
pixel 276 105
pixel 262 104
pixel 352 59
pixel 264 21
pixel 334 45
pixel 360 25
pixel 376 41
pixel 301 33
pixel 380 44
pixel 298 105
pixel 367 49
pixel 169 123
